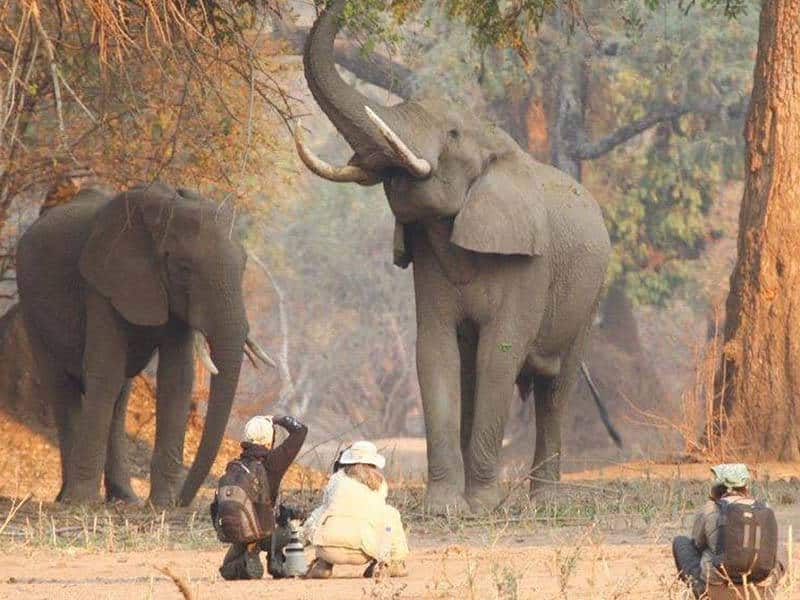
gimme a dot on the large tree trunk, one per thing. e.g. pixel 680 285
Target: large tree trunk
pixel 761 367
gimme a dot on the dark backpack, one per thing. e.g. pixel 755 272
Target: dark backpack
pixel 233 511
pixel 747 541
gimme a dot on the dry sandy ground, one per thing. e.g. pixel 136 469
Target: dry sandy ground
pixel 611 561
pixel 446 571
pixel 617 562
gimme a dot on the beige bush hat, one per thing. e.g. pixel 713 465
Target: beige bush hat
pixel 363 452
pixel 259 430
pixel 732 475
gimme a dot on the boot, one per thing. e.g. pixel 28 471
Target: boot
pixel 369 572
pixel 252 562
pixel 319 569
pixel 396 568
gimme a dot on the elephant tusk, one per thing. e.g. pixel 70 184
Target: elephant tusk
pixel 418 167
pixel 250 356
pixel 254 347
pixel 202 353
pixel 346 174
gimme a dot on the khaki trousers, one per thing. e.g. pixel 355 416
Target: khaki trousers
pixel 341 556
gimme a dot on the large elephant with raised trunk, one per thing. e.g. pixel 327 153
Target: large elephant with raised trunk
pixel 509 260
pixel 105 281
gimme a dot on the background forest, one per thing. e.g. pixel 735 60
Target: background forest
pixel 644 103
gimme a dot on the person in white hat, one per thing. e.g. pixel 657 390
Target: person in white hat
pixel 354 525
pixel 262 468
pixel 696 556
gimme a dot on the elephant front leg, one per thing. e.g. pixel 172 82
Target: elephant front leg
pixel 104 360
pixel 498 363
pixel 174 384
pixel 439 380
pixel 117 474
pixel 67 403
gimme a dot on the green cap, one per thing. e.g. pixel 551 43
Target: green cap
pixel 731 476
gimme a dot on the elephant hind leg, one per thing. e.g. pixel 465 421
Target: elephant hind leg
pixel 117 478
pixel 548 405
pixel 550 395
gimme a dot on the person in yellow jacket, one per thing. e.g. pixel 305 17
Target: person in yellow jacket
pixel 354 525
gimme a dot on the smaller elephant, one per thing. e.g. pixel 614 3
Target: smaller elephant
pixel 107 280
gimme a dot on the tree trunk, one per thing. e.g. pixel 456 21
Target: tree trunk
pixel 761 363
pixel 567 110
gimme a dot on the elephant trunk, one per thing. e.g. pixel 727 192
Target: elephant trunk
pixel 227 355
pixel 343 104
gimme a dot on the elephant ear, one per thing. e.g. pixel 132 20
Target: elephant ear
pixel 120 262
pixel 503 214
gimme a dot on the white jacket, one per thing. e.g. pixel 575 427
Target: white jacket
pixel 354 516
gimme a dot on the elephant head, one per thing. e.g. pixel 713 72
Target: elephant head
pixel 433 162
pixel 155 252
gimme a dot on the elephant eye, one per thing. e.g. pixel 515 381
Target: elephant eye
pixel 179 271
pixel 454 134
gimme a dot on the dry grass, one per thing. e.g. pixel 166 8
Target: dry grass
pixel 629 505
pixel 573 536
pixel 707 431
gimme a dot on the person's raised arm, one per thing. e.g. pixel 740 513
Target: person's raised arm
pixel 281 457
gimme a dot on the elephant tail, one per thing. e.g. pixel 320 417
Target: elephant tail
pixel 601 407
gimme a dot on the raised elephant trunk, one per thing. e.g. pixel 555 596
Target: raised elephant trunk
pixel 345 107
pixel 227 356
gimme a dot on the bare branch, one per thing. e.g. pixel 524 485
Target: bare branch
pixel 378 70
pixel 288 386
pixel 182 586
pixel 589 151
pixel 48 46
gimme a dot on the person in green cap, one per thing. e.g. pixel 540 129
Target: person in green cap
pixel 732 516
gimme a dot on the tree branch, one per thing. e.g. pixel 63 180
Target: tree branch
pixel 589 151
pixel 377 69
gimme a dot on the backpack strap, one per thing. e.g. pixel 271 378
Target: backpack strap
pixel 722 515
pixel 244 466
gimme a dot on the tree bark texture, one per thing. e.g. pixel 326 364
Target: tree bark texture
pixel 760 376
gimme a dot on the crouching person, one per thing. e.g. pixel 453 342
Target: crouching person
pixel 243 508
pixel 734 541
pixel 354 525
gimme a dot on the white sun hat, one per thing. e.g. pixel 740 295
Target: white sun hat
pixel 259 430
pixel 363 452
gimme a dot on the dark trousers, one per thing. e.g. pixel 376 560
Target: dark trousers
pixel 687 561
pixel 242 561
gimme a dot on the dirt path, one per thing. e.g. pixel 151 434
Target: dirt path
pixel 455 571
pixel 557 564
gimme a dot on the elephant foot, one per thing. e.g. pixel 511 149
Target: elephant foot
pixel 484 498
pixel 164 498
pixel 162 501
pixel 444 499
pixel 79 495
pixel 121 493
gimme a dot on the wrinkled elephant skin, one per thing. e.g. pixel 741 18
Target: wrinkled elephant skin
pixel 509 260
pixel 105 281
